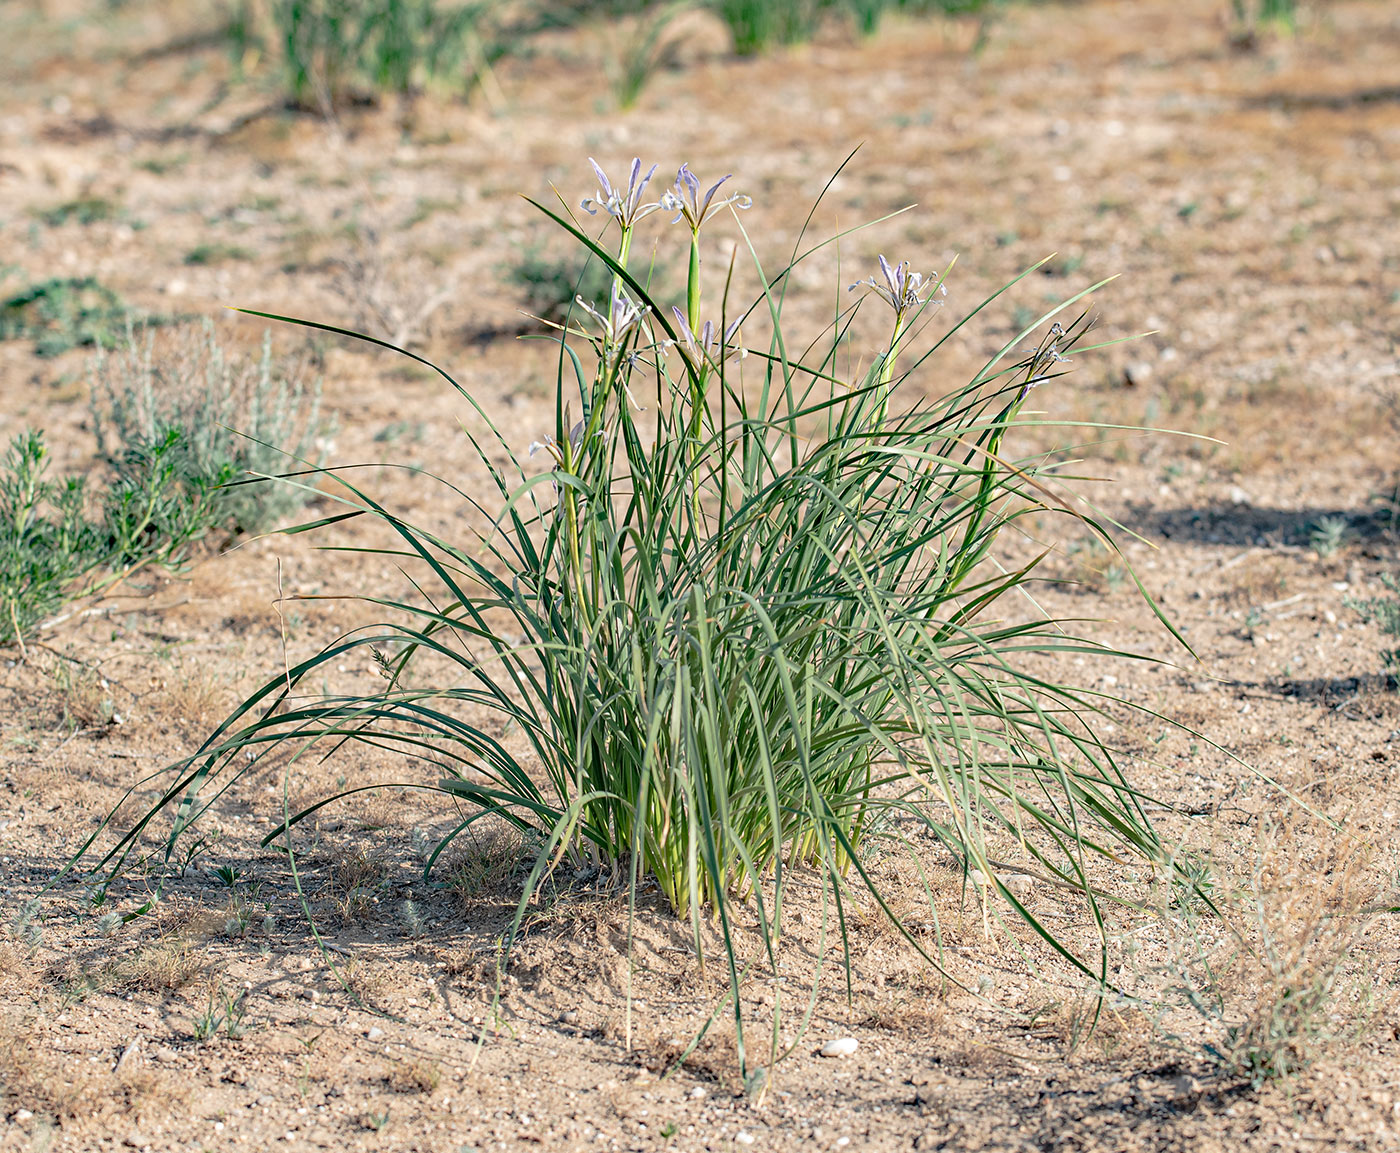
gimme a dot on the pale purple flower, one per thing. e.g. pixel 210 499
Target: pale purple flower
pixel 551 446
pixel 901 289
pixel 709 344
pixel 623 314
pixel 685 201
pixel 625 206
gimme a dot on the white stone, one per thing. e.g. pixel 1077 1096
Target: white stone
pixel 1021 885
pixel 840 1047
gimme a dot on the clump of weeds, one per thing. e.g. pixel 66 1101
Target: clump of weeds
pixel 738 605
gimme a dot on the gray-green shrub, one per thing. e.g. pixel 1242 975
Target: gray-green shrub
pixel 170 471
pixel 1384 613
pixel 229 418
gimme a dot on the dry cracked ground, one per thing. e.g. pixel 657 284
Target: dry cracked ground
pixel 1246 197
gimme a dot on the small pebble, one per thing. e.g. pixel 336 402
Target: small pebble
pixel 166 1053
pixel 375 1032
pixel 744 1137
pixel 569 1017
pixel 1021 885
pixel 22 1115
pixel 840 1047
pixel 1139 372
pixel 698 1093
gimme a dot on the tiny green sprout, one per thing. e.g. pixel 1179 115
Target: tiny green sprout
pixel 1328 535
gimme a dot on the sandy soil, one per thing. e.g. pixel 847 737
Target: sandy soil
pixel 1249 202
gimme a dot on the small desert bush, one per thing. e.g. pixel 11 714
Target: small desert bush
pixel 1384 613
pixel 230 418
pixel 742 604
pixel 171 471
pixel 1269 960
pixel 551 286
pixel 59 314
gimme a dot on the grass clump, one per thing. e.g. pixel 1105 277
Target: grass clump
pixel 328 48
pixel 758 25
pixel 745 607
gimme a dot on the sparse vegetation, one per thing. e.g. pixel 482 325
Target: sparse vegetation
pixel 172 470
pixel 64 313
pixel 328 48
pixel 757 25
pixel 530 982
pixel 1384 613
pixel 1274 992
pixel 552 287
pixel 222 1011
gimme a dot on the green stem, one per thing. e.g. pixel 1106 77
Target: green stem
pixel 692 288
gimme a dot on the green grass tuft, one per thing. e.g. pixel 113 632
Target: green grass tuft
pixel 748 610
